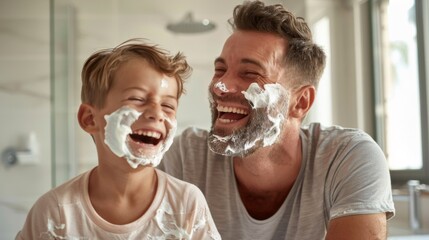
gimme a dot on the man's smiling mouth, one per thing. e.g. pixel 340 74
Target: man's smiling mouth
pixel 230 114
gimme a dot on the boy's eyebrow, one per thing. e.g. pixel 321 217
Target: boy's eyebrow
pixel 171 96
pixel 135 88
pixel 144 90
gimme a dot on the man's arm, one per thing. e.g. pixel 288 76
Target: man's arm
pixel 364 226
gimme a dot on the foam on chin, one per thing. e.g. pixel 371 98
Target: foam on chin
pixel 118 127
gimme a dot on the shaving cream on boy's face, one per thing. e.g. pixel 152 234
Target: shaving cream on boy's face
pixel 117 138
pixel 269 110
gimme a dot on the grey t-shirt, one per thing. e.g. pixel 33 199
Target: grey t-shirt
pixel 343 172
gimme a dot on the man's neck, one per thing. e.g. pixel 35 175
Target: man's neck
pixel 265 178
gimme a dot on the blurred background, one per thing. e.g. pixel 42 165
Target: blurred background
pixel 376 79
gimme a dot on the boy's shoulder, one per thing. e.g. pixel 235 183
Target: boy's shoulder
pixel 182 196
pixel 173 182
pixel 178 187
pixel 67 192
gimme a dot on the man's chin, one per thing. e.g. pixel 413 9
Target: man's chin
pixel 229 149
pixel 224 130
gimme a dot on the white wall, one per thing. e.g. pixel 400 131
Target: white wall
pixel 25 76
pixel 25 106
pixel 348 62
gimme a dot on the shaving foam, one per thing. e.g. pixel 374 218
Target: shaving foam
pixel 53 230
pixel 221 86
pixel 167 221
pixel 164 83
pixel 117 132
pixel 269 109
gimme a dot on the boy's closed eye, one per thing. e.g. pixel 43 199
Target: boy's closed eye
pixel 139 99
pixel 169 106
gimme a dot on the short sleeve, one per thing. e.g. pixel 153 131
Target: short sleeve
pixel 360 181
pixel 41 219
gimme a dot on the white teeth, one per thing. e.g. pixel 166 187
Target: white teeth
pixel 153 134
pixel 231 110
pixel 223 120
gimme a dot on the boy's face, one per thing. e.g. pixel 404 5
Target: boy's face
pixel 138 86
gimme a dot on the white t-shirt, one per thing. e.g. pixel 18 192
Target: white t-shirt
pixel 343 172
pixel 178 211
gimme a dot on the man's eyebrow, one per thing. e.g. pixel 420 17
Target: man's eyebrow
pixel 242 61
pixel 219 60
pixel 251 61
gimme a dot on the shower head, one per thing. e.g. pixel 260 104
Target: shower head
pixel 189 25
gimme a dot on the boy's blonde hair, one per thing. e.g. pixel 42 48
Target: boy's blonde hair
pixel 100 67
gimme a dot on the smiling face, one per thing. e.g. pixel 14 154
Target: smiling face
pixel 247 57
pixel 139 113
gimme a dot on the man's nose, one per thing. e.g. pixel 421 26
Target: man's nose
pixel 224 86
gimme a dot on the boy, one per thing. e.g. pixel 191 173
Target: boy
pixel 129 100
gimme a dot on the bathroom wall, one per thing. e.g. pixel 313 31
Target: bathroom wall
pixel 104 24
pixel 39 99
pixel 25 107
pixel 26 92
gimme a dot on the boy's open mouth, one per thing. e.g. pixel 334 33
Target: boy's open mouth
pixel 146 137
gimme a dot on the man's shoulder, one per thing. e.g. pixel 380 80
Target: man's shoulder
pixel 191 139
pixel 333 133
pixel 194 133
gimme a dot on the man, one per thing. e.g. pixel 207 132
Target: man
pixel 264 175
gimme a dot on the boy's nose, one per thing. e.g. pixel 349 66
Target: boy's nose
pixel 154 112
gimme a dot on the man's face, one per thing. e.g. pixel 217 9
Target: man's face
pixel 238 126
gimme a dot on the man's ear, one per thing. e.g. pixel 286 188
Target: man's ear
pixel 303 99
pixel 85 117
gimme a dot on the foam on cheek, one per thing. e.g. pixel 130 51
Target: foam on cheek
pixel 118 128
pixel 260 98
pixel 268 98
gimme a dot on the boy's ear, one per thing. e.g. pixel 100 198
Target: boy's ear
pixel 85 117
pixel 303 100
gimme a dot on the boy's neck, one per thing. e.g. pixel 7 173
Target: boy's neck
pixel 119 196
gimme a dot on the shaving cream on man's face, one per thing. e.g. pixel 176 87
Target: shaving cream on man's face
pixel 117 138
pixel 270 106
